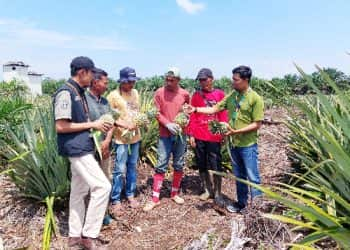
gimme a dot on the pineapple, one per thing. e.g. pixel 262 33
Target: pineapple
pixel 182 119
pixel 140 119
pixel 217 128
pixel 98 135
pixel 107 118
pixel 115 114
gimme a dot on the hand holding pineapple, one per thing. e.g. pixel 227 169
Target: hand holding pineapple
pixel 218 128
pixel 138 120
pixel 221 128
pixel 182 120
pixel 230 131
pixel 102 125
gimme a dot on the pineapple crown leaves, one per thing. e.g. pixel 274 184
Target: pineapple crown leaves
pixel 217 127
pixel 182 119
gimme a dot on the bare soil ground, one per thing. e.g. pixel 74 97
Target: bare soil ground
pixel 169 226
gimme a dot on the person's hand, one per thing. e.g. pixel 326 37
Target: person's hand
pixel 173 128
pixel 131 126
pixel 231 131
pixel 188 109
pixel 102 125
pixel 105 149
pixel 125 124
pixel 192 142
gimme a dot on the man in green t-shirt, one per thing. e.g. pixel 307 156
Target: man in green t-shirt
pixel 246 111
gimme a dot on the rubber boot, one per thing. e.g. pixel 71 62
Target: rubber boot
pixel 217 191
pixel 207 186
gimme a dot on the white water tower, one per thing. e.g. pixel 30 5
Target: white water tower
pixel 19 71
pixel 35 82
pixel 16 70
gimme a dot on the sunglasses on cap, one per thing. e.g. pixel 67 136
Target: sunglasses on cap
pixel 202 79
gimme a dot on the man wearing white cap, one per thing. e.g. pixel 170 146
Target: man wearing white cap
pixel 169 100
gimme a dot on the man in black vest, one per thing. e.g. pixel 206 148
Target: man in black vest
pixel 73 127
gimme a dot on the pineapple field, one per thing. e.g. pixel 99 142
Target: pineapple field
pixel 304 154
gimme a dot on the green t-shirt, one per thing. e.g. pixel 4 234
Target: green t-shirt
pixel 243 109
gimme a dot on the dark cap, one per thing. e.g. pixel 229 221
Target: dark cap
pixel 204 73
pixel 82 62
pixel 98 73
pixel 127 74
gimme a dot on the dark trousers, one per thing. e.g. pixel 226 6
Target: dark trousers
pixel 208 156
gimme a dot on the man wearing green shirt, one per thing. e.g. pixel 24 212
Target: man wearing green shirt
pixel 246 111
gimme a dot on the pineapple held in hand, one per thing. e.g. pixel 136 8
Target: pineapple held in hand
pixel 140 119
pixel 115 114
pixel 98 135
pixel 107 118
pixel 217 128
pixel 181 119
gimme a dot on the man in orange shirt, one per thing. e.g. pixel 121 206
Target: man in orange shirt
pixel 169 100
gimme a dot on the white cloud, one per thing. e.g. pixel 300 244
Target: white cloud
pixel 14 32
pixel 190 7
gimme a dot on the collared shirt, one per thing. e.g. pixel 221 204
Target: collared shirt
pixel 250 109
pixel 98 106
pixel 128 106
pixel 169 103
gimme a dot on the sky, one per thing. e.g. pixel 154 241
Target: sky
pixel 150 36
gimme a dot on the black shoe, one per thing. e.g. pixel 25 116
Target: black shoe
pixel 219 201
pixel 235 208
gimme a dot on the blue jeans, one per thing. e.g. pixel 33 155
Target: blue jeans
pixel 246 166
pixel 167 146
pixel 124 168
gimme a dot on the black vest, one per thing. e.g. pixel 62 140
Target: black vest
pixel 77 143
